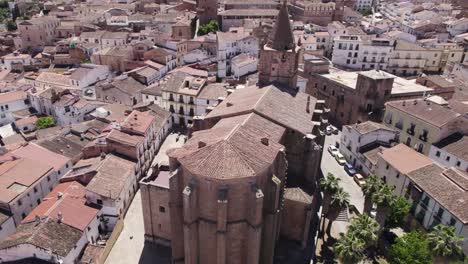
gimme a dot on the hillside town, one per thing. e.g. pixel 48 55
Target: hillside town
pixel 233 131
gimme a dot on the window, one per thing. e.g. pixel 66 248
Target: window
pixel 452 221
pixel 438 154
pixel 23 215
pixel 35 190
pixel 440 212
pixel 458 163
pixel 48 178
pixel 38 201
pixel 89 228
pixel 398 175
pixel 99 201
pixel 66 165
pixel 447 158
pixel 20 202
pixel 387 167
pixel 162 209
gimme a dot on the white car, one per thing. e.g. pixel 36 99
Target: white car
pixel 333 150
pixel 340 159
pixel 328 130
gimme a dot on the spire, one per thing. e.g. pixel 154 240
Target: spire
pixel 282 37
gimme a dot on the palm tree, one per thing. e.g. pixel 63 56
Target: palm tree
pixel 445 244
pixel 328 185
pixel 339 201
pixel 349 248
pixel 365 228
pixel 383 197
pixel 370 187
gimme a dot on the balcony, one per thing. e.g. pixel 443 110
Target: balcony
pixel 410 131
pixel 181 112
pixel 171 98
pixel 191 102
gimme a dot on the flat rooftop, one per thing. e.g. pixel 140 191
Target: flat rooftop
pixel 400 85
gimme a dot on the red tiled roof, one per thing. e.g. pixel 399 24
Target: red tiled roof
pixel 71 205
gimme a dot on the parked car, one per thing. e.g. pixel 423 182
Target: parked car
pixel 334 130
pixel 333 150
pixel 349 169
pixel 359 179
pixel 340 159
pixel 328 130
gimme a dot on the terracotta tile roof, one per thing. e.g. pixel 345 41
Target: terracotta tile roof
pixel 26 121
pixel 455 144
pixel 404 159
pixel 16 176
pixel 69 200
pixel 59 238
pixel 41 155
pixel 12 96
pixel 271 103
pixel 138 122
pixel 449 187
pixel 160 115
pixel 111 177
pixel 62 146
pixel 429 112
pixel 228 152
pixel 213 91
pixel 369 126
pixel 124 138
pixel 298 195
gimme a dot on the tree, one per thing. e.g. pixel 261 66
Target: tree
pixel 349 248
pixel 365 12
pixel 410 248
pixel 45 122
pixel 445 244
pixel 366 228
pixel 212 26
pixel 383 197
pixel 370 187
pixel 339 201
pixel 11 25
pixel 329 185
pixel 399 208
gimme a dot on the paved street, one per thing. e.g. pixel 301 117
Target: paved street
pixel 130 247
pixel 329 164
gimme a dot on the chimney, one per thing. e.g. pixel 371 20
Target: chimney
pixel 264 141
pixel 201 144
pixel 228 104
pixel 103 155
pixel 415 102
pixel 59 195
pixel 37 219
pixel 59 216
pixel 404 103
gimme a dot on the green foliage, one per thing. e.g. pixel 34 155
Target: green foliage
pixel 212 26
pixel 412 248
pixel 45 122
pixel 383 196
pixel 366 228
pixel 399 208
pixel 365 12
pixel 11 25
pixel 340 199
pixel 443 242
pixel 330 184
pixel 349 248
